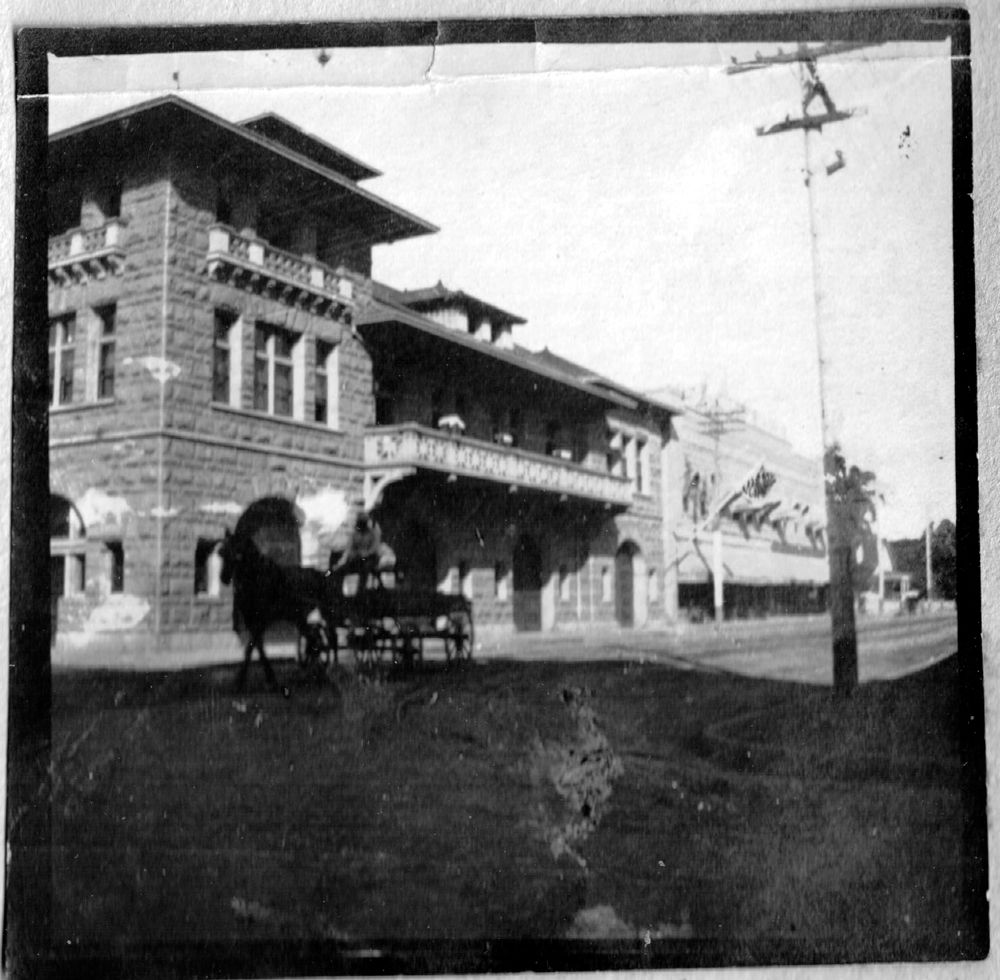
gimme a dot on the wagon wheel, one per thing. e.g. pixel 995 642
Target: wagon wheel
pixel 363 640
pixel 459 636
pixel 317 648
pixel 411 645
pixel 389 639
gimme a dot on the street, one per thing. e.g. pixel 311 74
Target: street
pixel 786 649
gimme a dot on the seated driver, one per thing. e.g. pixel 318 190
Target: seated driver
pixel 365 552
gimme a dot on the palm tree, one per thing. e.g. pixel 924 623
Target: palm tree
pixel 850 501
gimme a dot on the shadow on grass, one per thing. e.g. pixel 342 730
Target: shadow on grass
pixel 754 821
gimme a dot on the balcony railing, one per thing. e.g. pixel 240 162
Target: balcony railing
pixel 413 445
pixel 81 255
pixel 252 263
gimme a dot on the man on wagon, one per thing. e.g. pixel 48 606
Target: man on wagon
pixel 366 554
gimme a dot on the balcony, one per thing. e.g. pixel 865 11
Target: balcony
pixel 253 264
pixel 81 255
pixel 413 446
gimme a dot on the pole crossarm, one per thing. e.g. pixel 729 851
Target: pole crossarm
pixel 803 53
pixel 807 121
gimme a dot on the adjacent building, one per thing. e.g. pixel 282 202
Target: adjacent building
pixel 219 355
pixel 748 517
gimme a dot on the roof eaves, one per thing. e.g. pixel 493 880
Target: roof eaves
pixel 382 311
pixel 242 132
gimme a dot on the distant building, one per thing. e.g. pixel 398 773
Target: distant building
pixel 773 532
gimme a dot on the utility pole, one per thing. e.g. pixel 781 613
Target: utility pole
pixel 845 641
pixel 930 580
pixel 717 423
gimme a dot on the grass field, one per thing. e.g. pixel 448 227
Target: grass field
pixel 679 815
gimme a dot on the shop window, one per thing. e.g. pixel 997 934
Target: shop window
pixel 274 371
pixel 106 353
pixel 62 353
pixel 327 384
pixel 207 567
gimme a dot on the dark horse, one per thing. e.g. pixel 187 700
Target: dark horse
pixel 265 592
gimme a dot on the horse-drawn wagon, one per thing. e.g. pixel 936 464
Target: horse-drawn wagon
pixel 383 622
pixel 387 622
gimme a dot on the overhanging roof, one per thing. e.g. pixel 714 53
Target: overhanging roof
pixel 440 295
pixel 585 374
pixel 161 120
pixel 280 130
pixel 384 313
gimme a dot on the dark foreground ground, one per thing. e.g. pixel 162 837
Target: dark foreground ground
pixel 512 815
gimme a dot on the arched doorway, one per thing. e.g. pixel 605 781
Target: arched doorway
pixel 527 569
pixel 272 523
pixel 630 585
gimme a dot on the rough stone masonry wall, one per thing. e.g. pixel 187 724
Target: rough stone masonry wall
pixel 222 458
pixel 215 460
pixel 103 454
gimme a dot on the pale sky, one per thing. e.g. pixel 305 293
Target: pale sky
pixel 618 198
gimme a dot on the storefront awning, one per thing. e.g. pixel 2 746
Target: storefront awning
pixel 749 565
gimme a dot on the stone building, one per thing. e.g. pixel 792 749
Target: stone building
pixel 219 355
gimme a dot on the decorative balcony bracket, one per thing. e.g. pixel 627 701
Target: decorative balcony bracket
pixel 81 256
pixel 258 267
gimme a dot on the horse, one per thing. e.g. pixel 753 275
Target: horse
pixel 265 592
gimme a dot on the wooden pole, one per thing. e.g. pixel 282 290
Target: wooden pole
pixel 845 640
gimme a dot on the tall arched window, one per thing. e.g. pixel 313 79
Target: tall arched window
pixel 67 548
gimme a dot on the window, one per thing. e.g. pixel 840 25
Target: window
pixel 437 406
pixel 385 404
pixel 465 579
pixel 516 427
pixel 605 584
pixel 62 340
pixel 653 588
pixel 67 561
pixel 207 567
pixel 106 353
pixel 115 565
pixel 617 452
pixel 551 438
pixel 273 370
pixel 225 358
pixel 641 467
pixel 327 386
pixel 500 582
pixel 564 584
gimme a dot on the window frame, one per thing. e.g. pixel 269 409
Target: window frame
pixel 106 342
pixel 275 366
pixel 59 347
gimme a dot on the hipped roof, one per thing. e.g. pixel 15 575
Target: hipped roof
pixel 163 120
